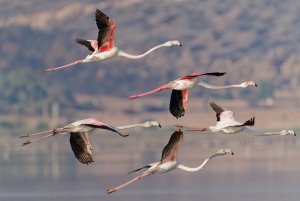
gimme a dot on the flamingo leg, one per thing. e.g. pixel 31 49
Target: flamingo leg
pixel 191 129
pixel 111 190
pixel 64 66
pixel 39 133
pixel 34 134
pixel 150 92
pixel 44 137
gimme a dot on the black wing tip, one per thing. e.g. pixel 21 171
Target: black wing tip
pixel 218 73
pixel 250 122
pixel 100 13
pixel 213 104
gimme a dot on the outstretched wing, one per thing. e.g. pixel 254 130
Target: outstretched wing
pixel 81 146
pixel 146 166
pixel 249 122
pixel 178 102
pixel 217 109
pixel 106 127
pixel 106 28
pixel 85 43
pixel 197 74
pixel 170 151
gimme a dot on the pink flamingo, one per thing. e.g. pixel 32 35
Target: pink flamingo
pixel 168 161
pixel 79 135
pixel 227 124
pixel 180 90
pixel 104 47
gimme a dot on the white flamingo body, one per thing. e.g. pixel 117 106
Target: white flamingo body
pixel 168 161
pixel 180 90
pixel 183 84
pixel 227 124
pixel 159 167
pixel 104 47
pixel 79 135
pixel 101 56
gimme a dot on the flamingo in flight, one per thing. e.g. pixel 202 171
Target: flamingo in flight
pixel 180 90
pixel 104 47
pixel 168 161
pixel 227 124
pixel 79 135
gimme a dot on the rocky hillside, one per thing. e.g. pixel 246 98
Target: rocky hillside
pixel 250 40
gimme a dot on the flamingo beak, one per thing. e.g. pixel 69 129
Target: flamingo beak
pixel 159 125
pixel 255 85
pixel 180 45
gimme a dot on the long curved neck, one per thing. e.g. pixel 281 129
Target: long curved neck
pixel 130 56
pixel 130 126
pixel 195 169
pixel 259 133
pixel 206 85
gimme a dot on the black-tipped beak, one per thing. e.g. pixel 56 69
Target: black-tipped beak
pixel 294 133
pixel 256 85
pixel 159 125
pixel 232 153
pixel 180 45
pixel 126 135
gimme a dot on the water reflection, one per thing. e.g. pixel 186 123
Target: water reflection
pixel 262 169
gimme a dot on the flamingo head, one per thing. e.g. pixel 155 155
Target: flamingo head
pixel 248 84
pixel 148 124
pixel 288 132
pixel 173 42
pixel 224 152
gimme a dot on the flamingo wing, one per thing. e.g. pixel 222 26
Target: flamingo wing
pixel 249 122
pixel 106 28
pixel 85 43
pixel 178 102
pixel 106 127
pixel 197 74
pixel 217 109
pixel 81 146
pixel 171 150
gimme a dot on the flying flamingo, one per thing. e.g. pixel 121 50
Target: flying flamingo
pixel 180 90
pixel 227 124
pixel 168 161
pixel 104 47
pixel 79 136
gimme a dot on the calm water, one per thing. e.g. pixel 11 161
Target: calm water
pixel 202 186
pixel 265 169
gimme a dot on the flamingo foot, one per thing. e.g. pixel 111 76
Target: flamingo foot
pixel 22 136
pixel 111 190
pixel 64 66
pixel 26 143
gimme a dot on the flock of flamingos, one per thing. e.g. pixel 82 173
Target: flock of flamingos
pixel 104 48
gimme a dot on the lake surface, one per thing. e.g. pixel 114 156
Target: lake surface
pixel 265 169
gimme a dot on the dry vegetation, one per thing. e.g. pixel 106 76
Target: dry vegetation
pixel 250 40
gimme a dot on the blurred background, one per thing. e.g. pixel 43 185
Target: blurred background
pixel 250 40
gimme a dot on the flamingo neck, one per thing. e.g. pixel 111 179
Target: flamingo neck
pixel 259 133
pixel 130 126
pixel 206 85
pixel 195 169
pixel 130 56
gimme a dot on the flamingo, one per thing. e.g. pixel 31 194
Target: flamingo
pixel 227 124
pixel 104 47
pixel 168 161
pixel 79 136
pixel 180 90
